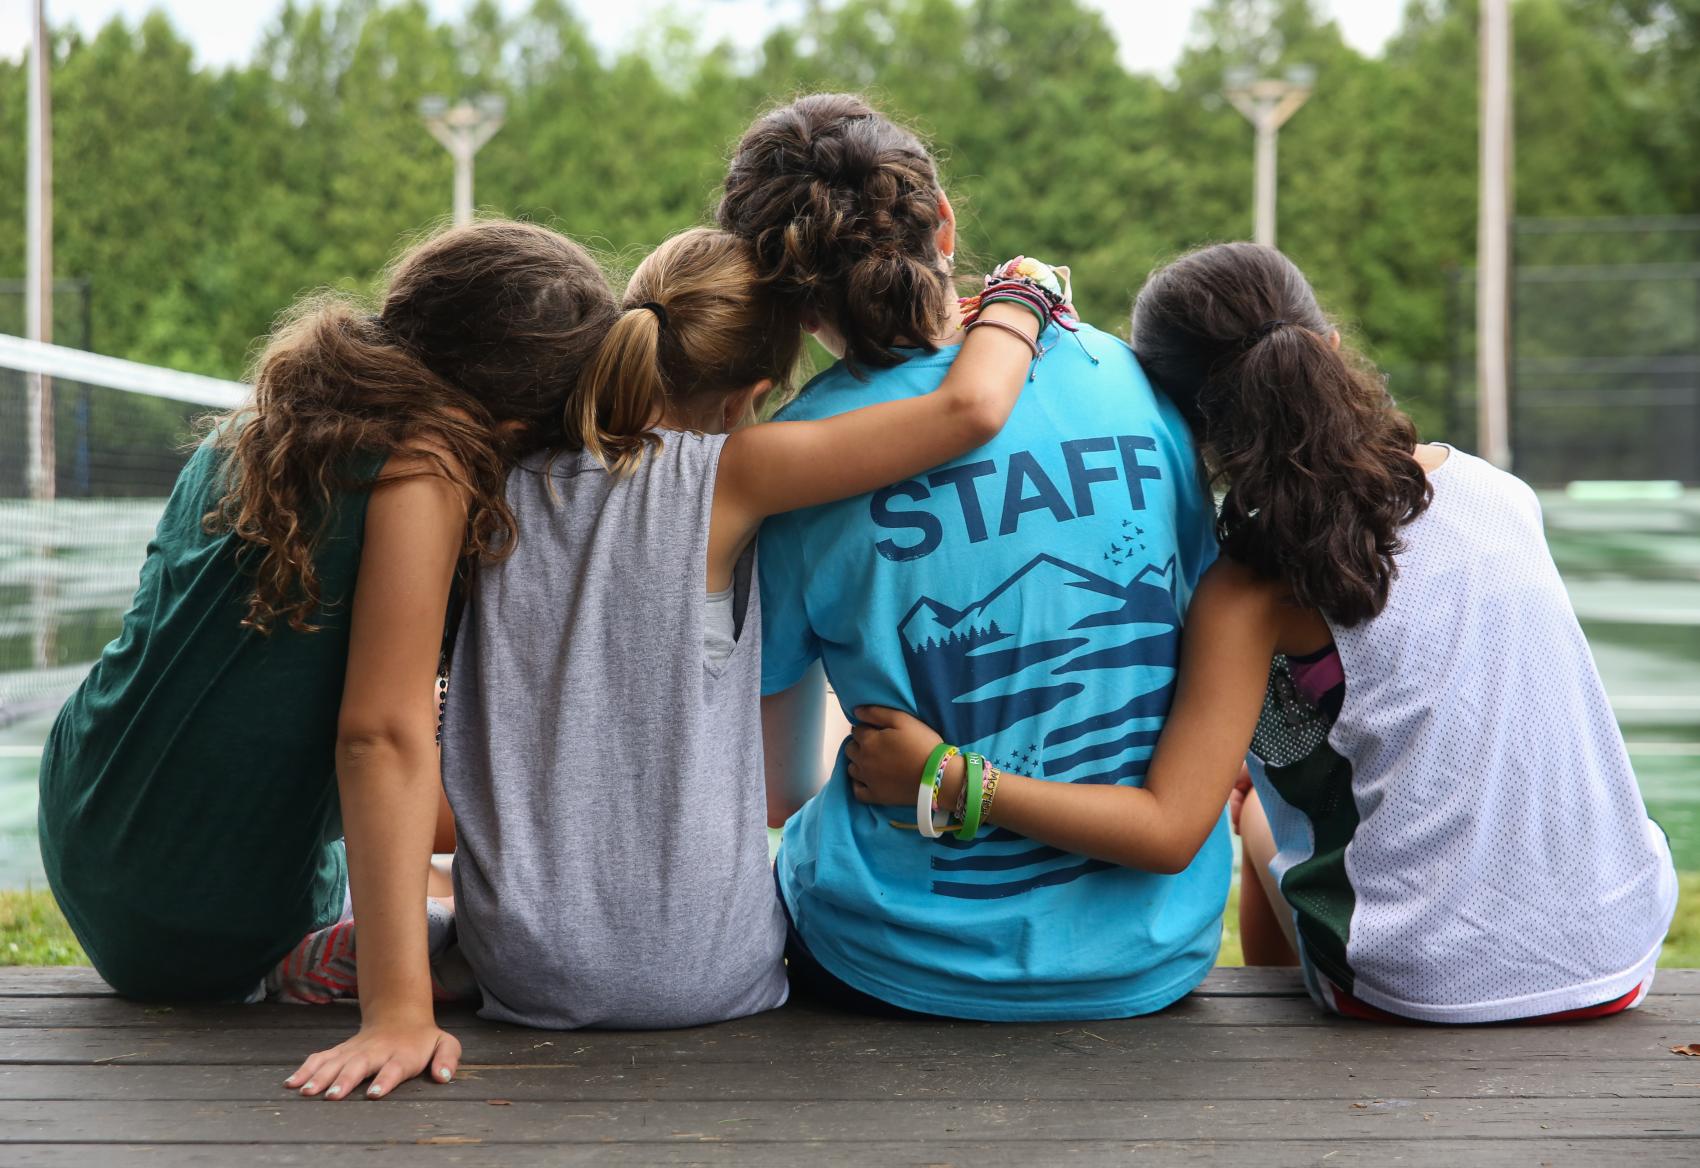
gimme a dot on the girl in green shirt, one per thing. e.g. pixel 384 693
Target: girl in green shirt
pixel 272 689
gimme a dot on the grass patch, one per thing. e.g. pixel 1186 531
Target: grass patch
pixel 1682 945
pixel 33 931
pixel 1230 953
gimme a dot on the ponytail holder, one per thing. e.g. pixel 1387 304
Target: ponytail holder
pixel 1261 331
pixel 660 312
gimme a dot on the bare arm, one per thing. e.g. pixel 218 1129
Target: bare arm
pixel 783 466
pixel 1231 633
pixel 791 723
pixel 390 780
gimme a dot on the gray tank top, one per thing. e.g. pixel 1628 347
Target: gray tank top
pixel 606 778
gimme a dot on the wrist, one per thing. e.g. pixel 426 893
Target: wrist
pixel 410 1012
pixel 1011 313
pixel 398 1020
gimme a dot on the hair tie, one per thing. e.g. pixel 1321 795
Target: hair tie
pixel 660 312
pixel 1261 331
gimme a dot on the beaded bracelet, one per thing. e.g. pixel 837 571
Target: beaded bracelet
pixel 1035 285
pixel 1041 289
pixel 973 789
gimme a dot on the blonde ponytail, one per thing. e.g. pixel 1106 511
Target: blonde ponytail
pixel 694 324
pixel 624 393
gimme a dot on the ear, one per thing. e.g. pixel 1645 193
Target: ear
pixel 740 407
pixel 947 226
pixel 1334 340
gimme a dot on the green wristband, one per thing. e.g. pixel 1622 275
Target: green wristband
pixel 973 778
pixel 930 769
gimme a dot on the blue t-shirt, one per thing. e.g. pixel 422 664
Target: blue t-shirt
pixel 1025 600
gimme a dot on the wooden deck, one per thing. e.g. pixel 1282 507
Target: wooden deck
pixel 1243 1072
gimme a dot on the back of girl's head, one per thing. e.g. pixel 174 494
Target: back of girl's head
pixel 842 207
pixel 694 326
pixel 1316 457
pixel 483 331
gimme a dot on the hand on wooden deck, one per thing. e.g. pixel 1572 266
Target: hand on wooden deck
pixel 388 1054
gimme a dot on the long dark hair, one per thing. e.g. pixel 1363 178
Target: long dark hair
pixel 1316 458
pixel 842 207
pixel 480 325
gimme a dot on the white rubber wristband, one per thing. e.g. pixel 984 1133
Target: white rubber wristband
pixel 924 810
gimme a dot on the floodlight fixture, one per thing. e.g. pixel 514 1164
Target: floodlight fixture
pixel 463 129
pixel 1267 103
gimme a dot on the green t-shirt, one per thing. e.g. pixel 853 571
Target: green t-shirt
pixel 190 822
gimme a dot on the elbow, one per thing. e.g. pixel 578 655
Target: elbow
pixel 1173 857
pixel 982 418
pixel 361 746
pixel 1170 864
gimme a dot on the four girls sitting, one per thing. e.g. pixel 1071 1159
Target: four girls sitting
pixel 508 476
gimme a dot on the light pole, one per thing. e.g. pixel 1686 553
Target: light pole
pixel 1493 239
pixel 463 129
pixel 38 284
pixel 1267 103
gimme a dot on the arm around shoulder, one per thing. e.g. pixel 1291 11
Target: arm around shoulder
pixel 782 466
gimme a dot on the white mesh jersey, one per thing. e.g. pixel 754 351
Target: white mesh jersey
pixel 1466 842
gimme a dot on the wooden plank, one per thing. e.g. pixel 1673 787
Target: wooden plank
pixel 859 1040
pixel 80 981
pixel 26 981
pixel 115 1013
pixel 824 1025
pixel 1224 981
pixel 849 1122
pixel 1040 1077
pixel 1478 1153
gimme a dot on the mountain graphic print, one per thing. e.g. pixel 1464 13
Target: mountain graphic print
pixel 1012 675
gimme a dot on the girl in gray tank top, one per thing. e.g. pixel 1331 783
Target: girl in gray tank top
pixel 602 757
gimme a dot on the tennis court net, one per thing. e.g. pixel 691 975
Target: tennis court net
pixel 89 449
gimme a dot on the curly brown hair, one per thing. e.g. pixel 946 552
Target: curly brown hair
pixel 481 325
pixel 842 207
pixel 1317 459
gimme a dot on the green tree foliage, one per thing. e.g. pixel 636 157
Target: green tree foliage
pixel 201 201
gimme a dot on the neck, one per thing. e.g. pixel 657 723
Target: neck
pixel 948 333
pixel 952 334
pixel 706 418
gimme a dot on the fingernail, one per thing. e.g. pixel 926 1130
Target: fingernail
pixel 309 1085
pixel 443 1073
pixel 333 1092
pixel 374 1091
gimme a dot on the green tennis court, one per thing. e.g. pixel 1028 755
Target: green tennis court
pixel 1633 568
